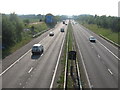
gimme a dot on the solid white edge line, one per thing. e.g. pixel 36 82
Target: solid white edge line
pixel 53 78
pixel 98 56
pixel 84 67
pixel 14 63
pixel 66 64
pixel 79 74
pixel 109 50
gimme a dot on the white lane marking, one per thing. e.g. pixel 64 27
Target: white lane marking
pixel 14 63
pixel 109 51
pixel 30 70
pixel 98 56
pixel 84 67
pixel 17 61
pixel 66 64
pixel 53 78
pixel 110 72
pixel 79 74
pixel 109 42
pixel 41 54
pixel 20 84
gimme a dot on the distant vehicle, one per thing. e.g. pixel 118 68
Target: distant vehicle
pixel 51 34
pixel 63 22
pixel 62 29
pixel 92 39
pixel 37 49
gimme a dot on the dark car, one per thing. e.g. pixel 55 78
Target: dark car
pixel 62 29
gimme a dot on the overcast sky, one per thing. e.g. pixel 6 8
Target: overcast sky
pixel 60 7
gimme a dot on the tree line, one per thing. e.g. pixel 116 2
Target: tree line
pixel 12 28
pixel 104 21
pixel 13 25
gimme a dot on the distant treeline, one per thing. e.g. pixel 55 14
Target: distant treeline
pixel 13 25
pixel 104 21
pixel 28 18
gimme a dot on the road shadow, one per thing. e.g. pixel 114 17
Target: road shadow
pixel 35 57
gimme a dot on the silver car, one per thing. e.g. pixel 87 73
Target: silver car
pixel 51 34
pixel 92 39
pixel 37 49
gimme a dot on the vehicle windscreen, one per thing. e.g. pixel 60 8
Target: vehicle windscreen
pixel 35 47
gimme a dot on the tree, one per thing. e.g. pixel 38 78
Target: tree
pixel 8 33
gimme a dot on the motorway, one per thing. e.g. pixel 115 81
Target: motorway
pixel 100 59
pixel 28 71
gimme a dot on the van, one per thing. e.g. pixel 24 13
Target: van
pixel 37 49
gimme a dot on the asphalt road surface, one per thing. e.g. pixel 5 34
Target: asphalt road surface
pixel 36 71
pixel 100 59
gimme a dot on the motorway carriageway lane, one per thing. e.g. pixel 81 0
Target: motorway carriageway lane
pixel 20 73
pixel 107 44
pixel 6 62
pixel 97 61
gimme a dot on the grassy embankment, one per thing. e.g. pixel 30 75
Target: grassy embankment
pixel 103 31
pixel 26 37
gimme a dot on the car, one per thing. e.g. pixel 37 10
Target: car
pixel 62 29
pixel 37 49
pixel 51 34
pixel 92 39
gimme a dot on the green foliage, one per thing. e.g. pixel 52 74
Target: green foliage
pixel 108 33
pixel 27 21
pixel 8 33
pixel 109 22
pixel 11 29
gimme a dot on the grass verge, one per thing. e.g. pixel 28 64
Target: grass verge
pixel 105 32
pixel 60 82
pixel 26 38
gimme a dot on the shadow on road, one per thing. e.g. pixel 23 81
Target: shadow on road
pixel 35 57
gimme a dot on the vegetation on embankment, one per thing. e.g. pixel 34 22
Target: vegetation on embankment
pixel 16 33
pixel 18 30
pixel 108 33
pixel 107 26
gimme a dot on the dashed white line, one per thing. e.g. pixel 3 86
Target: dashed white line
pixel 16 61
pixel 30 69
pixel 41 55
pixel 20 84
pixel 110 72
pixel 98 56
